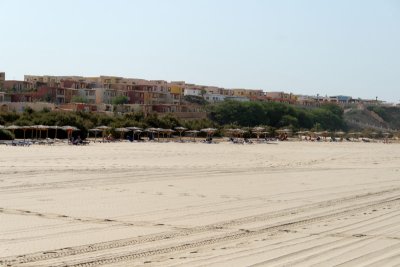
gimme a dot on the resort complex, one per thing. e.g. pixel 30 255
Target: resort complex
pixel 123 95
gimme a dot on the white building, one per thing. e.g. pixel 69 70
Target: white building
pixel 212 98
pixel 192 91
pixel 237 98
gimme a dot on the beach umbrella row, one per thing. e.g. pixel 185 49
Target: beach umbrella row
pixel 39 128
pixel 168 132
pixel 136 130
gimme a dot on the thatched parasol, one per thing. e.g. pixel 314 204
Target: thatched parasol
pixel 69 130
pixel 24 128
pixel 135 130
pixel 193 133
pixel 210 132
pixel 258 131
pixel 121 131
pixel 180 130
pixel 340 133
pixel 95 131
pixel 103 128
pixel 151 131
pixel 56 128
pixel 43 128
pixel 168 132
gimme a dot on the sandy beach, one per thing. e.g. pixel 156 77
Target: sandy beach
pixel 173 204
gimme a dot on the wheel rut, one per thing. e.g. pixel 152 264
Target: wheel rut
pixel 104 246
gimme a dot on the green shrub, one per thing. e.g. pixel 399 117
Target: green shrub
pixel 6 135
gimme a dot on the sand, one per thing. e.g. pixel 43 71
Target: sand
pixel 172 204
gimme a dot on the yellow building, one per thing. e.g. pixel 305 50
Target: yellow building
pixel 175 89
pixel 248 93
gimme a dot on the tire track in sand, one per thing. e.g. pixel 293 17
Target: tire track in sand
pixel 45 255
pixel 225 237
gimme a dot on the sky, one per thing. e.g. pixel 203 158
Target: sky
pixel 341 47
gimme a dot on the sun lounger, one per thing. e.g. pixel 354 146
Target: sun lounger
pixel 16 142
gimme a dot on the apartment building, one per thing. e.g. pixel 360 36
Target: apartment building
pixel 153 95
pixel 54 95
pixel 176 89
pixel 306 100
pixel 106 95
pixel 17 86
pixel 89 94
pixel 340 99
pixel 214 98
pixel 2 97
pixel 251 94
pixel 69 94
pixel 281 97
pixel 192 91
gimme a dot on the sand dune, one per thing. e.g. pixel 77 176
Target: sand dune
pixel 169 204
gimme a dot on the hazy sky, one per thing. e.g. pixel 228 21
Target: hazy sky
pixel 349 47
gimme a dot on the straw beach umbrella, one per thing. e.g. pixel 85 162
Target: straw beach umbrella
pixel 265 134
pixel 340 133
pixel 36 128
pixel 193 133
pixel 150 132
pixel 301 133
pixel 230 132
pixel 69 130
pixel 238 133
pixel 103 128
pixel 258 131
pixel 386 137
pixel 55 128
pixel 168 132
pixel 285 130
pixel 374 134
pixel 325 134
pixel 158 131
pixel 163 132
pixel 95 131
pixel 121 131
pixel 135 130
pixel 180 130
pixel 209 131
pixel 355 134
pixel 42 128
pixel 24 128
pixel 138 132
pixel 12 128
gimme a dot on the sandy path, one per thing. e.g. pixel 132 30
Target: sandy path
pixel 169 204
